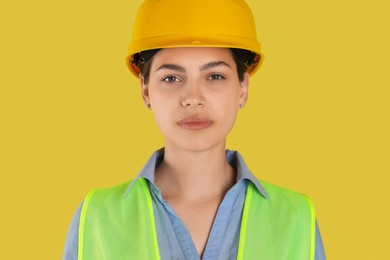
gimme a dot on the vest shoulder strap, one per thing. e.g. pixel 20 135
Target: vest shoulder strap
pixel 108 217
pixel 281 226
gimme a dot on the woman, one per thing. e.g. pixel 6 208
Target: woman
pixel 194 199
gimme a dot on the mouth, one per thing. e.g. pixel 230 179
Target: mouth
pixel 195 123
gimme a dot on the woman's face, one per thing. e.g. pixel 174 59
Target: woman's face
pixel 194 94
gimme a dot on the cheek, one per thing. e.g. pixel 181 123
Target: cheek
pixel 162 108
pixel 162 120
pixel 230 115
pixel 231 99
pixel 228 108
pixel 162 97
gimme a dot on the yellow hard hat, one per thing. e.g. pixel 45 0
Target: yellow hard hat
pixel 194 23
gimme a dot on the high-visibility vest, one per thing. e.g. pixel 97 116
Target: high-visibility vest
pixel 118 224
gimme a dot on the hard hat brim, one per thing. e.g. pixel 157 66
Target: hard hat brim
pixel 180 41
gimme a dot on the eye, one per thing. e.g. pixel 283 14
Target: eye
pixel 171 79
pixel 216 77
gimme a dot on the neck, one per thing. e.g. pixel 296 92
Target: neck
pixel 194 175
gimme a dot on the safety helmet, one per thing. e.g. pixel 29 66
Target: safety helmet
pixel 194 23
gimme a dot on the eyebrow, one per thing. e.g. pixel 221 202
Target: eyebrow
pixel 206 66
pixel 171 67
pixel 213 64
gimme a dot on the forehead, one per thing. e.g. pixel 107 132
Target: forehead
pixel 193 55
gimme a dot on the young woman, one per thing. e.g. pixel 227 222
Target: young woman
pixel 194 199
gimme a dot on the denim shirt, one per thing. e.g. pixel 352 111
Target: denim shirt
pixel 174 240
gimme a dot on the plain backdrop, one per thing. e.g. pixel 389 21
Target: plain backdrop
pixel 72 119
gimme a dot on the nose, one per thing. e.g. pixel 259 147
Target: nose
pixel 193 96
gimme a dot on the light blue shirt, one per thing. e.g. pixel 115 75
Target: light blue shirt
pixel 174 240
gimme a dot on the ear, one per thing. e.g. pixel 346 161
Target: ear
pixel 244 85
pixel 144 91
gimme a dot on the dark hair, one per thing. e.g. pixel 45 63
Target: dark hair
pixel 242 58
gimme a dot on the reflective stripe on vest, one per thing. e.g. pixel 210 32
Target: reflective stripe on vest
pixel 118 225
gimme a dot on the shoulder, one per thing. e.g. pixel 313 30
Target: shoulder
pixel 129 192
pixel 287 198
pixel 107 196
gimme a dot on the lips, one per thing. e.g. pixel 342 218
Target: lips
pixel 195 123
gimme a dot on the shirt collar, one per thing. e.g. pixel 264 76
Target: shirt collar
pixel 234 158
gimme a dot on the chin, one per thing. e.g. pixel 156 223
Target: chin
pixel 198 143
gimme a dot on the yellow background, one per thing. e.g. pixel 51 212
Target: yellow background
pixel 72 119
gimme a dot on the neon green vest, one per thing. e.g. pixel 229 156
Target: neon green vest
pixel 115 225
